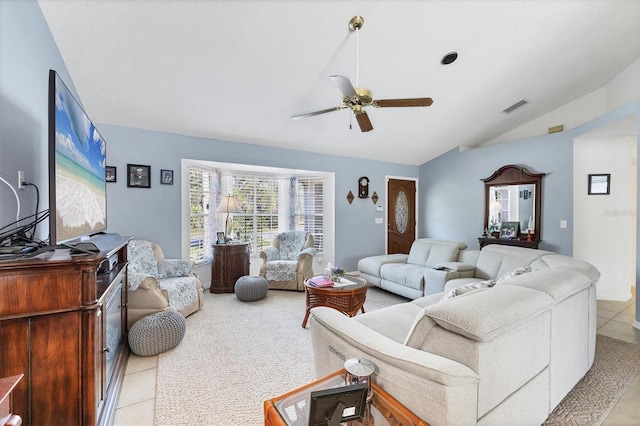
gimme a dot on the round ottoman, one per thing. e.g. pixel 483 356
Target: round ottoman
pixel 157 333
pixel 250 288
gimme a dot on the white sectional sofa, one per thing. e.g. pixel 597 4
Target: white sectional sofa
pixel 412 275
pixel 505 354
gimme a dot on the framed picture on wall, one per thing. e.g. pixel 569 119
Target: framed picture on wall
pixel 110 174
pixel 166 177
pixel 139 176
pixel 599 184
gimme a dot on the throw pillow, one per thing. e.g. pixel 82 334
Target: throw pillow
pixel 511 274
pixel 466 289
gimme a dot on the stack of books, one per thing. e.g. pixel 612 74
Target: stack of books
pixel 320 281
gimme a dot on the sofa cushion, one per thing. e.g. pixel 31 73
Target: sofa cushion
pixel 431 252
pixel 558 283
pixel 485 314
pixel 512 274
pixel 405 274
pixel 467 288
pixel 496 260
pixel 393 322
pixel 371 265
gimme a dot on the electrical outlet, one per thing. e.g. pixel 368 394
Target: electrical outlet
pixel 21 179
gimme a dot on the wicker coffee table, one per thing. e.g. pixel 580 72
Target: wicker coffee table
pixel 348 299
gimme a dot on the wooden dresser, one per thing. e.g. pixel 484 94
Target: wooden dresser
pixel 64 326
pixel 230 262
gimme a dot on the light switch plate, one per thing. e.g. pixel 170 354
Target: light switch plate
pixel 378 220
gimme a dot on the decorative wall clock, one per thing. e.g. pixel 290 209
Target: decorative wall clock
pixel 363 187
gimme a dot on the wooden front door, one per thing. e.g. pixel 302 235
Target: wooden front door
pixel 401 215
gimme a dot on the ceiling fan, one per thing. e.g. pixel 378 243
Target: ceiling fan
pixel 356 98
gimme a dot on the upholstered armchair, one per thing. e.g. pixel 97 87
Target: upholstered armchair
pixel 157 284
pixel 288 261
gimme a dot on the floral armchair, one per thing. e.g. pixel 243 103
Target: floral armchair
pixel 288 261
pixel 156 284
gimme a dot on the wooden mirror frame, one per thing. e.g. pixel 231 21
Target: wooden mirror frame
pixel 516 175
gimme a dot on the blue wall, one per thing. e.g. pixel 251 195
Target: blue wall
pixel 27 52
pixel 155 213
pixel 452 189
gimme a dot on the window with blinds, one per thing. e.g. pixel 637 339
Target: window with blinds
pixel 309 208
pixel 199 218
pixel 266 204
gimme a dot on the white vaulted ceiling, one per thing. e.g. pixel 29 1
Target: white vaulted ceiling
pixel 237 70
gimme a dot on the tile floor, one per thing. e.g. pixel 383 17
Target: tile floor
pixel 136 403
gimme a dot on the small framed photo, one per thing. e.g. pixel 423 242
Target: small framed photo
pixel 510 230
pixel 139 176
pixel 221 239
pixel 110 174
pixel 166 177
pixel 599 184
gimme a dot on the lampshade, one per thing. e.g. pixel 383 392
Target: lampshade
pixel 229 204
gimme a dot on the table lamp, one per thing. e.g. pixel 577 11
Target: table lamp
pixel 229 204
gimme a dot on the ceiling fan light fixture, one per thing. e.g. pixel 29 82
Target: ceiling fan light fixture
pixel 449 58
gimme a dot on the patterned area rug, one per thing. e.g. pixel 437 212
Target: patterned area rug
pixel 235 355
pixel 615 366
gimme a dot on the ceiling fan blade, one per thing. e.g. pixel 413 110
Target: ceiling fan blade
pixel 311 114
pixel 345 86
pixel 363 121
pixel 410 102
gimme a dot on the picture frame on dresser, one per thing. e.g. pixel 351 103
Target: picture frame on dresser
pixel 509 229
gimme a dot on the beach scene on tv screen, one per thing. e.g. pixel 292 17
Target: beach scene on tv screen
pixel 80 155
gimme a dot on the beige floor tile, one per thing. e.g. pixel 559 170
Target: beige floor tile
pixel 140 414
pixel 601 321
pixel 138 387
pixel 628 405
pixel 614 306
pixel 140 363
pixel 603 313
pixel 620 419
pixel 607 331
pixel 625 317
pixel 621 327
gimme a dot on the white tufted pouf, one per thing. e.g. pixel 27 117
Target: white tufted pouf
pixel 250 288
pixel 157 333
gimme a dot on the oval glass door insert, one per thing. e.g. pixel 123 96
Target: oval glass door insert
pixel 402 212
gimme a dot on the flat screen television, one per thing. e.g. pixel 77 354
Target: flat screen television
pixel 77 157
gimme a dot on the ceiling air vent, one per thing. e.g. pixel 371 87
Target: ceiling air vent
pixel 514 106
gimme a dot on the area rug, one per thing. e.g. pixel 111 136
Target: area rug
pixel 235 355
pixel 615 366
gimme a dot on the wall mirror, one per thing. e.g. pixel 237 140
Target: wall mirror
pixel 513 196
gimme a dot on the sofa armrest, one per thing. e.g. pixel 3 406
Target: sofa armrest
pixel 379 347
pixel 135 281
pixel 435 279
pixel 308 252
pixel 457 266
pixel 436 389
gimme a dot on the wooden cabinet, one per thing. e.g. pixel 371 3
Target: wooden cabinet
pixel 64 327
pixel 230 262
pixel 483 241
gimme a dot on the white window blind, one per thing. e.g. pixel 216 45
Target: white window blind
pixel 258 197
pixel 310 207
pixel 265 203
pixel 199 217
